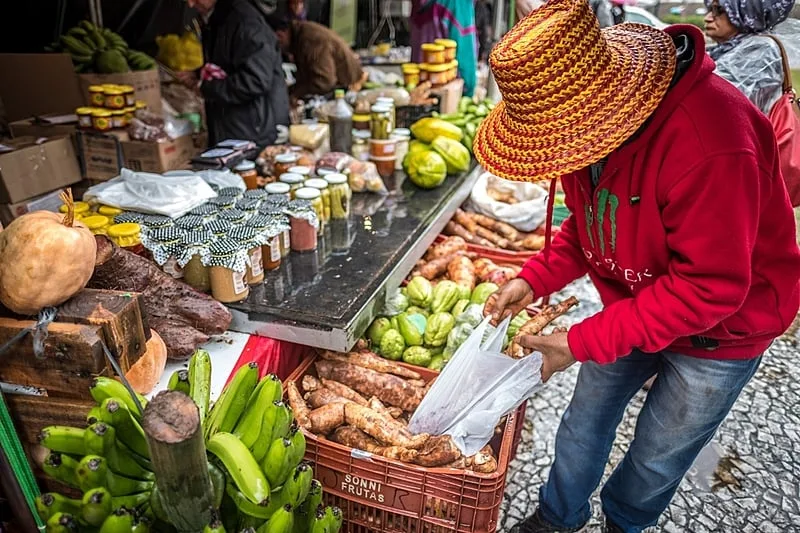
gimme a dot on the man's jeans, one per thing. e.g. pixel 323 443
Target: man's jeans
pixel 683 409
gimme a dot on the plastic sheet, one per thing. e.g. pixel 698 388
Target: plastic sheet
pixel 476 389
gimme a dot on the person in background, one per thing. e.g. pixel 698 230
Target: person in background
pixel 618 11
pixel 324 60
pixel 483 23
pixel 297 9
pixel 744 56
pixel 602 9
pixel 524 7
pixel 242 81
pixel 447 19
pixel 697 308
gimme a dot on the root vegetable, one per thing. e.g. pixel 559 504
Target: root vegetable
pixel 344 391
pixel 533 242
pixel 298 405
pixel 462 272
pixel 322 397
pixel 463 218
pixel 376 405
pixel 494 238
pixel 438 266
pixel 483 462
pixel 417 382
pixel 484 267
pixel 310 383
pixel 371 361
pixel 438 451
pixel 355 438
pixel 382 428
pixel 447 247
pixel 326 418
pixel 535 325
pixel 391 389
pixel 501 228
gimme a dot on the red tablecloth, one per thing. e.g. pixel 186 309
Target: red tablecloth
pixel 273 356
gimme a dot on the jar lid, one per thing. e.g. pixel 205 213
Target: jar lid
pixel 322 172
pixel 275 200
pixel 219 227
pixel 157 221
pixel 203 210
pixel 227 253
pixel 430 47
pixel 95 221
pixel 96 88
pixel 447 43
pixel 84 111
pixel 439 68
pixel 126 88
pixel 125 229
pixel 277 188
pixel 291 179
pixel 198 238
pixel 362 135
pixel 169 234
pixel 286 158
pixel 233 192
pixel 307 193
pixel 245 165
pixel 317 183
pixel 360 118
pixel 410 68
pixel 223 202
pixel 233 215
pixel 256 194
pixel 129 216
pixel 245 234
pixel 380 108
pixel 402 133
pixel 77 207
pixel 336 179
pixel 385 100
pixel 259 221
pixel 189 222
pixel 114 91
pixel 248 204
pixel 303 171
pixel 109 211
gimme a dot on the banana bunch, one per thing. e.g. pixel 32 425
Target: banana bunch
pixel 180 53
pixel 95 49
pixel 468 117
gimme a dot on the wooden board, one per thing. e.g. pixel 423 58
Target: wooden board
pixel 32 413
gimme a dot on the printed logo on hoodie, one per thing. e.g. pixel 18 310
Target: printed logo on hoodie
pixel 607 205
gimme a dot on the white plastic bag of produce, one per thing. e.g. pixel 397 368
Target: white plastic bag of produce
pixel 172 196
pixel 491 195
pixel 479 385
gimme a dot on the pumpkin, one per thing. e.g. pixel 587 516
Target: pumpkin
pixel 45 259
pixel 143 376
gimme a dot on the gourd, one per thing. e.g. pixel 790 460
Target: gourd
pixel 45 259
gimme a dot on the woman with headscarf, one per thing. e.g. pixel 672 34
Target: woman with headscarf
pixel 744 55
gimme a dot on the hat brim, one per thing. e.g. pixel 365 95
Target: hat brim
pixel 611 109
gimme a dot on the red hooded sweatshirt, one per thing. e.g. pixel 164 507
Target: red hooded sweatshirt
pixel 689 235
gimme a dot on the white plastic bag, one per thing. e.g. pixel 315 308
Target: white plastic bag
pixel 526 215
pixel 476 389
pixel 223 179
pixel 172 196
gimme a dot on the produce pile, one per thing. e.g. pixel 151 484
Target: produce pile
pixel 482 230
pixel 365 402
pixel 255 461
pixel 469 116
pixel 100 50
pixel 435 152
pixel 181 53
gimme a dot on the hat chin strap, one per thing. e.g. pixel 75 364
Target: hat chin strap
pixel 548 228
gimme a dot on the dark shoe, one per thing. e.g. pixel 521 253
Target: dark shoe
pixel 611 527
pixel 537 524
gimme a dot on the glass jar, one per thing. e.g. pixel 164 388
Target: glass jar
pixel 294 181
pixel 271 249
pixel 84 117
pixel 380 125
pixel 279 218
pixel 81 209
pixel 108 211
pixel 97 224
pixel 118 120
pixel 219 228
pixel 361 122
pixel 340 196
pixel 304 225
pixel 278 189
pixel 283 162
pixel 130 114
pixel 126 235
pixel 207 212
pixel 433 54
pixel 301 171
pixel 249 206
pixel 252 240
pixel 388 102
pixel 129 217
pixel 102 120
pixel 222 203
pixel 315 197
pixel 96 96
pixel 449 46
pixel 193 259
pixel 140 105
pixel 114 98
pixel 403 138
pixel 234 216
pixel 231 192
pixel 227 265
pixel 190 222
pixel 322 185
pixel 255 194
pixel 165 246
pixel 153 222
pixel 247 171
pixel 361 145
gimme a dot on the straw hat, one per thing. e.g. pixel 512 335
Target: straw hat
pixel 572 93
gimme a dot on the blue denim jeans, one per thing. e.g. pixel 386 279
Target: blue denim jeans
pixel 687 403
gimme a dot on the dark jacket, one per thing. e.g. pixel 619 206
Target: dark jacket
pixel 324 61
pixel 253 99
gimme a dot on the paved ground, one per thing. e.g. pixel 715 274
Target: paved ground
pixel 753 484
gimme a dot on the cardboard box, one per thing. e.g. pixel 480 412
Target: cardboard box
pixel 46 202
pixel 449 96
pixel 146 83
pixel 32 169
pixel 100 155
pixel 38 84
pixel 44 126
pixel 103 156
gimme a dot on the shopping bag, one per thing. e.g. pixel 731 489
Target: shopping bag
pixel 479 385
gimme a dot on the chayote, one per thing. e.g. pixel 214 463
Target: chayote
pixel 420 291
pixel 412 328
pixel 437 362
pixel 457 336
pixel 460 307
pixel 439 326
pixel 392 345
pixel 377 329
pixel 415 310
pixel 417 355
pixel 482 292
pixel 445 296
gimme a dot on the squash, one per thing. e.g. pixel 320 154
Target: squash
pixel 143 376
pixel 45 259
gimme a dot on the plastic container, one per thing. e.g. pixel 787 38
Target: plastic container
pixel 340 196
pixel 453 72
pixel 96 95
pixel 385 165
pixel 193 259
pixel 278 189
pixel 438 74
pixel 380 125
pixel 379 494
pixel 114 98
pixel 97 224
pixel 304 225
pixel 294 181
pixel 227 262
pixel 423 73
pixel 433 54
pixel 340 122
pixel 450 47
pixel 403 138
pixel 322 186
pixel 382 148
pixel 360 148
pixel 247 171
pixel 126 235
pixel 102 120
pixel 410 75
pixel 84 117
pixel 283 162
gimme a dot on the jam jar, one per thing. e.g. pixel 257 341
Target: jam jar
pixel 193 257
pixel 252 240
pixel 165 246
pixel 304 225
pixel 227 267
pixel 271 249
pixel 219 228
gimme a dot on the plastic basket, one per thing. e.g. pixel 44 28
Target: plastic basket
pixel 507 257
pixel 406 115
pixel 381 495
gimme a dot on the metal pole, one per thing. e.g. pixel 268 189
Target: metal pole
pixel 499 29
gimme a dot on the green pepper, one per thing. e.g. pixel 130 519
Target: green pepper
pixel 417 355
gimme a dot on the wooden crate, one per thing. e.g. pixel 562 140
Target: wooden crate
pixel 73 356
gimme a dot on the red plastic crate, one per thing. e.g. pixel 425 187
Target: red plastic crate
pixel 382 495
pixel 497 255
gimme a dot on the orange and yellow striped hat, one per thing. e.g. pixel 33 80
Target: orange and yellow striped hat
pixel 572 93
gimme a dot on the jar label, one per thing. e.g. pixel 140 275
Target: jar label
pixel 275 250
pixel 239 286
pixel 286 242
pixel 172 268
pixel 256 262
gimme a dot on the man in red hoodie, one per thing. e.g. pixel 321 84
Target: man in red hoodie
pixel 680 217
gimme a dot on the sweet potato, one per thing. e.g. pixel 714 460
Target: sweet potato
pixel 533 242
pixel 298 405
pixel 390 389
pixel 438 266
pixel 355 438
pixel 501 228
pixel 371 361
pixel 327 418
pixel 447 247
pixel 462 272
pixel 382 428
pixel 483 462
pixel 454 228
pixel 535 325
pixel 322 397
pixel 464 219
pixel 344 391
pixel 484 267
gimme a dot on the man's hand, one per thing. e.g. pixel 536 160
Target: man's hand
pixel 556 355
pixel 512 298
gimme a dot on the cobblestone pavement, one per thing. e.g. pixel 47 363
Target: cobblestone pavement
pixel 753 487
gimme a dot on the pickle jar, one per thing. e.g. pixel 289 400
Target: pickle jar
pixel 252 240
pixel 194 257
pixel 278 189
pixel 294 181
pixel 315 197
pixel 380 125
pixel 249 206
pixel 360 148
pixel 247 171
pixel 126 235
pixel 255 194
pixel 271 249
pixel 280 220
pixel 165 246
pixel 304 225
pixel 283 162
pixel 129 217
pixel 388 102
pixel 300 170
pixel 97 224
pixel 227 267
pixel 190 222
pixel 108 211
pixel 207 212
pixel 234 216
pixel 231 192
pixel 219 228
pixel 322 185
pixel 222 203
pixel 340 195
pixel 81 209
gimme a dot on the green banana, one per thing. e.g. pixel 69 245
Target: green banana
pixel 123 486
pixel 231 404
pixel 97 37
pixel 157 506
pixel 295 490
pixel 245 506
pixel 248 530
pixel 297 450
pixel 144 462
pixel 87 25
pixel 320 522
pixel 75 46
pixel 274 463
pixel 103 387
pixel 120 521
pixel 50 503
pixel 76 32
pixel 179 381
pixel 61 467
pixel 121 461
pixel 99 438
pixel 63 439
pixel 267 391
pixel 131 502
pixel 214 524
pixel 92 471
pixel 141 524
pixel 217 483
pixel 304 513
pixel 200 382
pixel 282 521
pixel 268 423
pixel 335 519
pixel 62 523
pixel 283 421
pixel 241 466
pixel 128 429
pixel 96 506
pixel 98 414
pixel 82 60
